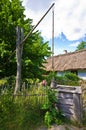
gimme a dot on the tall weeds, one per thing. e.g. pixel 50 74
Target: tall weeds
pixel 24 112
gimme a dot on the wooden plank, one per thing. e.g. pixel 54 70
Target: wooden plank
pixel 65 95
pixel 66 101
pixel 69 101
pixel 69 89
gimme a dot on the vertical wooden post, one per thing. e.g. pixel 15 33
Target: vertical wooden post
pixel 53 38
pixel 22 38
pixel 19 49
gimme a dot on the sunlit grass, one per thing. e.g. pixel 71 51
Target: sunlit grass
pixel 24 112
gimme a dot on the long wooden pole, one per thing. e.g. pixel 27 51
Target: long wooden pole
pixel 53 38
pixel 23 41
pixel 37 24
pixel 19 46
pixel 18 60
pixel 19 50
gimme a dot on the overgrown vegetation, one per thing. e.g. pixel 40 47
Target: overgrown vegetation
pixel 52 113
pixel 25 112
pixel 35 49
pixel 66 79
pixel 84 118
pixel 28 110
pixel 22 113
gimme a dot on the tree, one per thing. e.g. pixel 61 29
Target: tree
pixel 81 45
pixel 35 49
pixel 34 58
pixel 10 12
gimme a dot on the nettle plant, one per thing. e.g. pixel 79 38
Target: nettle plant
pixel 52 113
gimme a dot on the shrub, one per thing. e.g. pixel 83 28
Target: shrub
pixel 50 77
pixel 7 83
pixel 68 79
pixel 52 113
pixel 71 76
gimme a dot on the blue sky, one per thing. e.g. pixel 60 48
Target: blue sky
pixel 69 22
pixel 61 43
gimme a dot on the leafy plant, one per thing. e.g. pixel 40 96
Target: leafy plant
pixel 68 79
pixel 71 76
pixel 51 113
pixel 35 49
pixel 84 118
pixel 50 77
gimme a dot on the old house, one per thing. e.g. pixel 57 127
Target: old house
pixel 69 62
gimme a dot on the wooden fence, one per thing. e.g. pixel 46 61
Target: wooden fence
pixel 69 100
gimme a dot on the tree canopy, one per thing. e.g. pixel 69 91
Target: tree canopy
pixel 81 46
pixel 35 49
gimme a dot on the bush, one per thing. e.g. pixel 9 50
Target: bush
pixel 52 113
pixel 71 76
pixel 68 79
pixel 7 83
pixel 50 77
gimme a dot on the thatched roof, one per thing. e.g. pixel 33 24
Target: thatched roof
pixel 70 61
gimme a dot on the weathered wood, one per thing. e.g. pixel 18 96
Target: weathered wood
pixel 65 101
pixel 66 96
pixel 70 102
pixel 19 49
pixel 69 89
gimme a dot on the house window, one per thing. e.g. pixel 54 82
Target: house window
pixel 74 72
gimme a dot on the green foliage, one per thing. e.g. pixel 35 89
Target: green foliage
pixel 68 79
pixel 3 81
pixel 7 83
pixel 35 49
pixel 52 115
pixel 22 113
pixel 11 12
pixel 50 77
pixel 27 112
pixel 71 76
pixel 81 46
pixel 8 111
pixel 84 118
pixel 48 118
pixel 34 57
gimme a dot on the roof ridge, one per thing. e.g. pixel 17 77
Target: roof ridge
pixel 69 53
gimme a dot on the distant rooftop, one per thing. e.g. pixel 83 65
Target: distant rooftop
pixel 68 61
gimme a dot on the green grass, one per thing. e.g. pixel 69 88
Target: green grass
pixel 22 113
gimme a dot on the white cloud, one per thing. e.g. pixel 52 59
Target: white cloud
pixel 75 44
pixel 70 18
pixel 58 51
